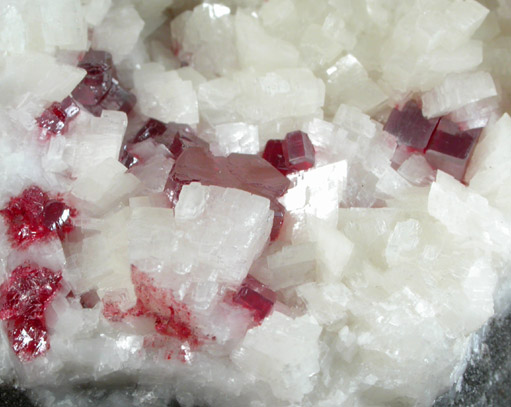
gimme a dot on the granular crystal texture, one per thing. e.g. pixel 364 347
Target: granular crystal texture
pixel 25 295
pixel 410 127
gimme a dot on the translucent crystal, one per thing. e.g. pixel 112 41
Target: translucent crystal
pixel 410 127
pixel 56 118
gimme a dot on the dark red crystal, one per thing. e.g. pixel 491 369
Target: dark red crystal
pixel 55 119
pixel 410 127
pixel 450 148
pixel 298 151
pixel 294 153
pixel 34 216
pixel 24 297
pixel 118 99
pixel 255 297
pixel 274 154
pixel 100 89
pixel 98 80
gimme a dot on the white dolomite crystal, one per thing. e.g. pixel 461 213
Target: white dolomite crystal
pixel 165 96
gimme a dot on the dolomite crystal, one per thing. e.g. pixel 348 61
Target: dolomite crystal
pixel 250 203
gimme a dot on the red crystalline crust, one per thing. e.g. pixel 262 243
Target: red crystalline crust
pixel 255 297
pixel 410 127
pixel 24 297
pixel 34 216
pixel 55 119
pixel 100 89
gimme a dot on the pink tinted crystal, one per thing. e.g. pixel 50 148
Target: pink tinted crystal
pixel 278 218
pixel 257 176
pixel 255 297
pixel 450 148
pixel 298 151
pixel 410 127
pixel 55 119
pixel 24 297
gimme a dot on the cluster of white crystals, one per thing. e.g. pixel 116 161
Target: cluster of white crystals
pixel 382 273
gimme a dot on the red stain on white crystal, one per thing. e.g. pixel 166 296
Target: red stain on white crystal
pixel 24 297
pixel 35 216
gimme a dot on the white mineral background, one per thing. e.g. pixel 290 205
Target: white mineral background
pixel 382 272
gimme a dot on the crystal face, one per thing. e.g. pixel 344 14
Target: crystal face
pixel 34 216
pixel 55 119
pixel 25 295
pixel 410 127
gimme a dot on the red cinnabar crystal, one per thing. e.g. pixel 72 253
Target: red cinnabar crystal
pixel 100 89
pixel 34 216
pixel 97 82
pixel 450 148
pixel 24 297
pixel 255 297
pixel 410 127
pixel 247 172
pixel 55 119
pixel 294 153
pixel 274 154
pixel 298 151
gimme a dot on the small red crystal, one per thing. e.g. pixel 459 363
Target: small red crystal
pixel 274 154
pixel 255 297
pixel 298 151
pixel 24 297
pixel 450 148
pixel 97 81
pixel 100 89
pixel 55 119
pixel 34 216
